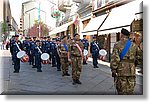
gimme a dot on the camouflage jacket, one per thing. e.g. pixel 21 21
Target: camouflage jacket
pixel 62 50
pixel 73 48
pixel 126 66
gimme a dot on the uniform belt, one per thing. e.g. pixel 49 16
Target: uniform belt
pixel 127 60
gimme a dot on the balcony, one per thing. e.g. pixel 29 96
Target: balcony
pixel 63 5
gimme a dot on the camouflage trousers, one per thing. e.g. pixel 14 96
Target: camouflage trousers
pixel 64 64
pixel 125 85
pixel 76 67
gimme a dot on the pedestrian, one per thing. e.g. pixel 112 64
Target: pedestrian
pixel 15 50
pixel 94 49
pixel 3 44
pixel 38 53
pixel 63 49
pixel 86 46
pixel 76 52
pixel 122 64
pixel 7 45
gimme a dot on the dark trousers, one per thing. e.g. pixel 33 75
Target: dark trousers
pixel 95 58
pixel 50 55
pixel 29 55
pixel 38 62
pixel 16 64
pixel 84 60
pixel 58 61
pixel 33 59
pixel 53 59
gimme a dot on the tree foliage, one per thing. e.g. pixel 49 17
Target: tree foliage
pixel 34 30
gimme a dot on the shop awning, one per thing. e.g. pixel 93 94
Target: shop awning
pixel 93 25
pixel 120 17
pixel 61 28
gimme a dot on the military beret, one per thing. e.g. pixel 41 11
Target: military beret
pixel 34 37
pixel 125 32
pixel 94 37
pixel 37 40
pixel 76 34
pixel 17 35
pixel 84 35
pixel 48 37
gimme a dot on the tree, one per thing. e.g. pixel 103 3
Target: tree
pixel 34 30
pixel 4 30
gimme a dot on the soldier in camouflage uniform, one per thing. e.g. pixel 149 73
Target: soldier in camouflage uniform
pixel 63 53
pixel 123 70
pixel 76 52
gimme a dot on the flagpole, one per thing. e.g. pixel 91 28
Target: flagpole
pixel 39 19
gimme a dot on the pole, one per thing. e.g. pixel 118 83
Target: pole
pixel 39 31
pixel 39 19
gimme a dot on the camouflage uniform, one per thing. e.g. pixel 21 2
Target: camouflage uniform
pixel 124 69
pixel 76 59
pixel 63 59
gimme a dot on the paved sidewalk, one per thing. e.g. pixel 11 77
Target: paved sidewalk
pixel 50 81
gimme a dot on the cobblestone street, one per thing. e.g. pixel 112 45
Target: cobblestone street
pixel 50 81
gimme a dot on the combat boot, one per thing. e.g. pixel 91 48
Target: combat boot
pixel 74 82
pixel 78 81
pixel 67 74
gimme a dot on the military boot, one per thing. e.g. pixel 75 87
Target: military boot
pixel 78 81
pixel 74 82
pixel 67 74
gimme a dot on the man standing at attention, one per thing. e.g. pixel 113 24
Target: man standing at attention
pixel 76 52
pixel 122 64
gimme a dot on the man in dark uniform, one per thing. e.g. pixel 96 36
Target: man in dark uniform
pixel 48 47
pixel 94 49
pixel 86 45
pixel 44 44
pixel 38 52
pixel 23 43
pixel 32 52
pixel 53 49
pixel 27 48
pixel 15 50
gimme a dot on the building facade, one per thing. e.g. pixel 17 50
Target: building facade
pixel 119 14
pixel 31 10
pixel 8 23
